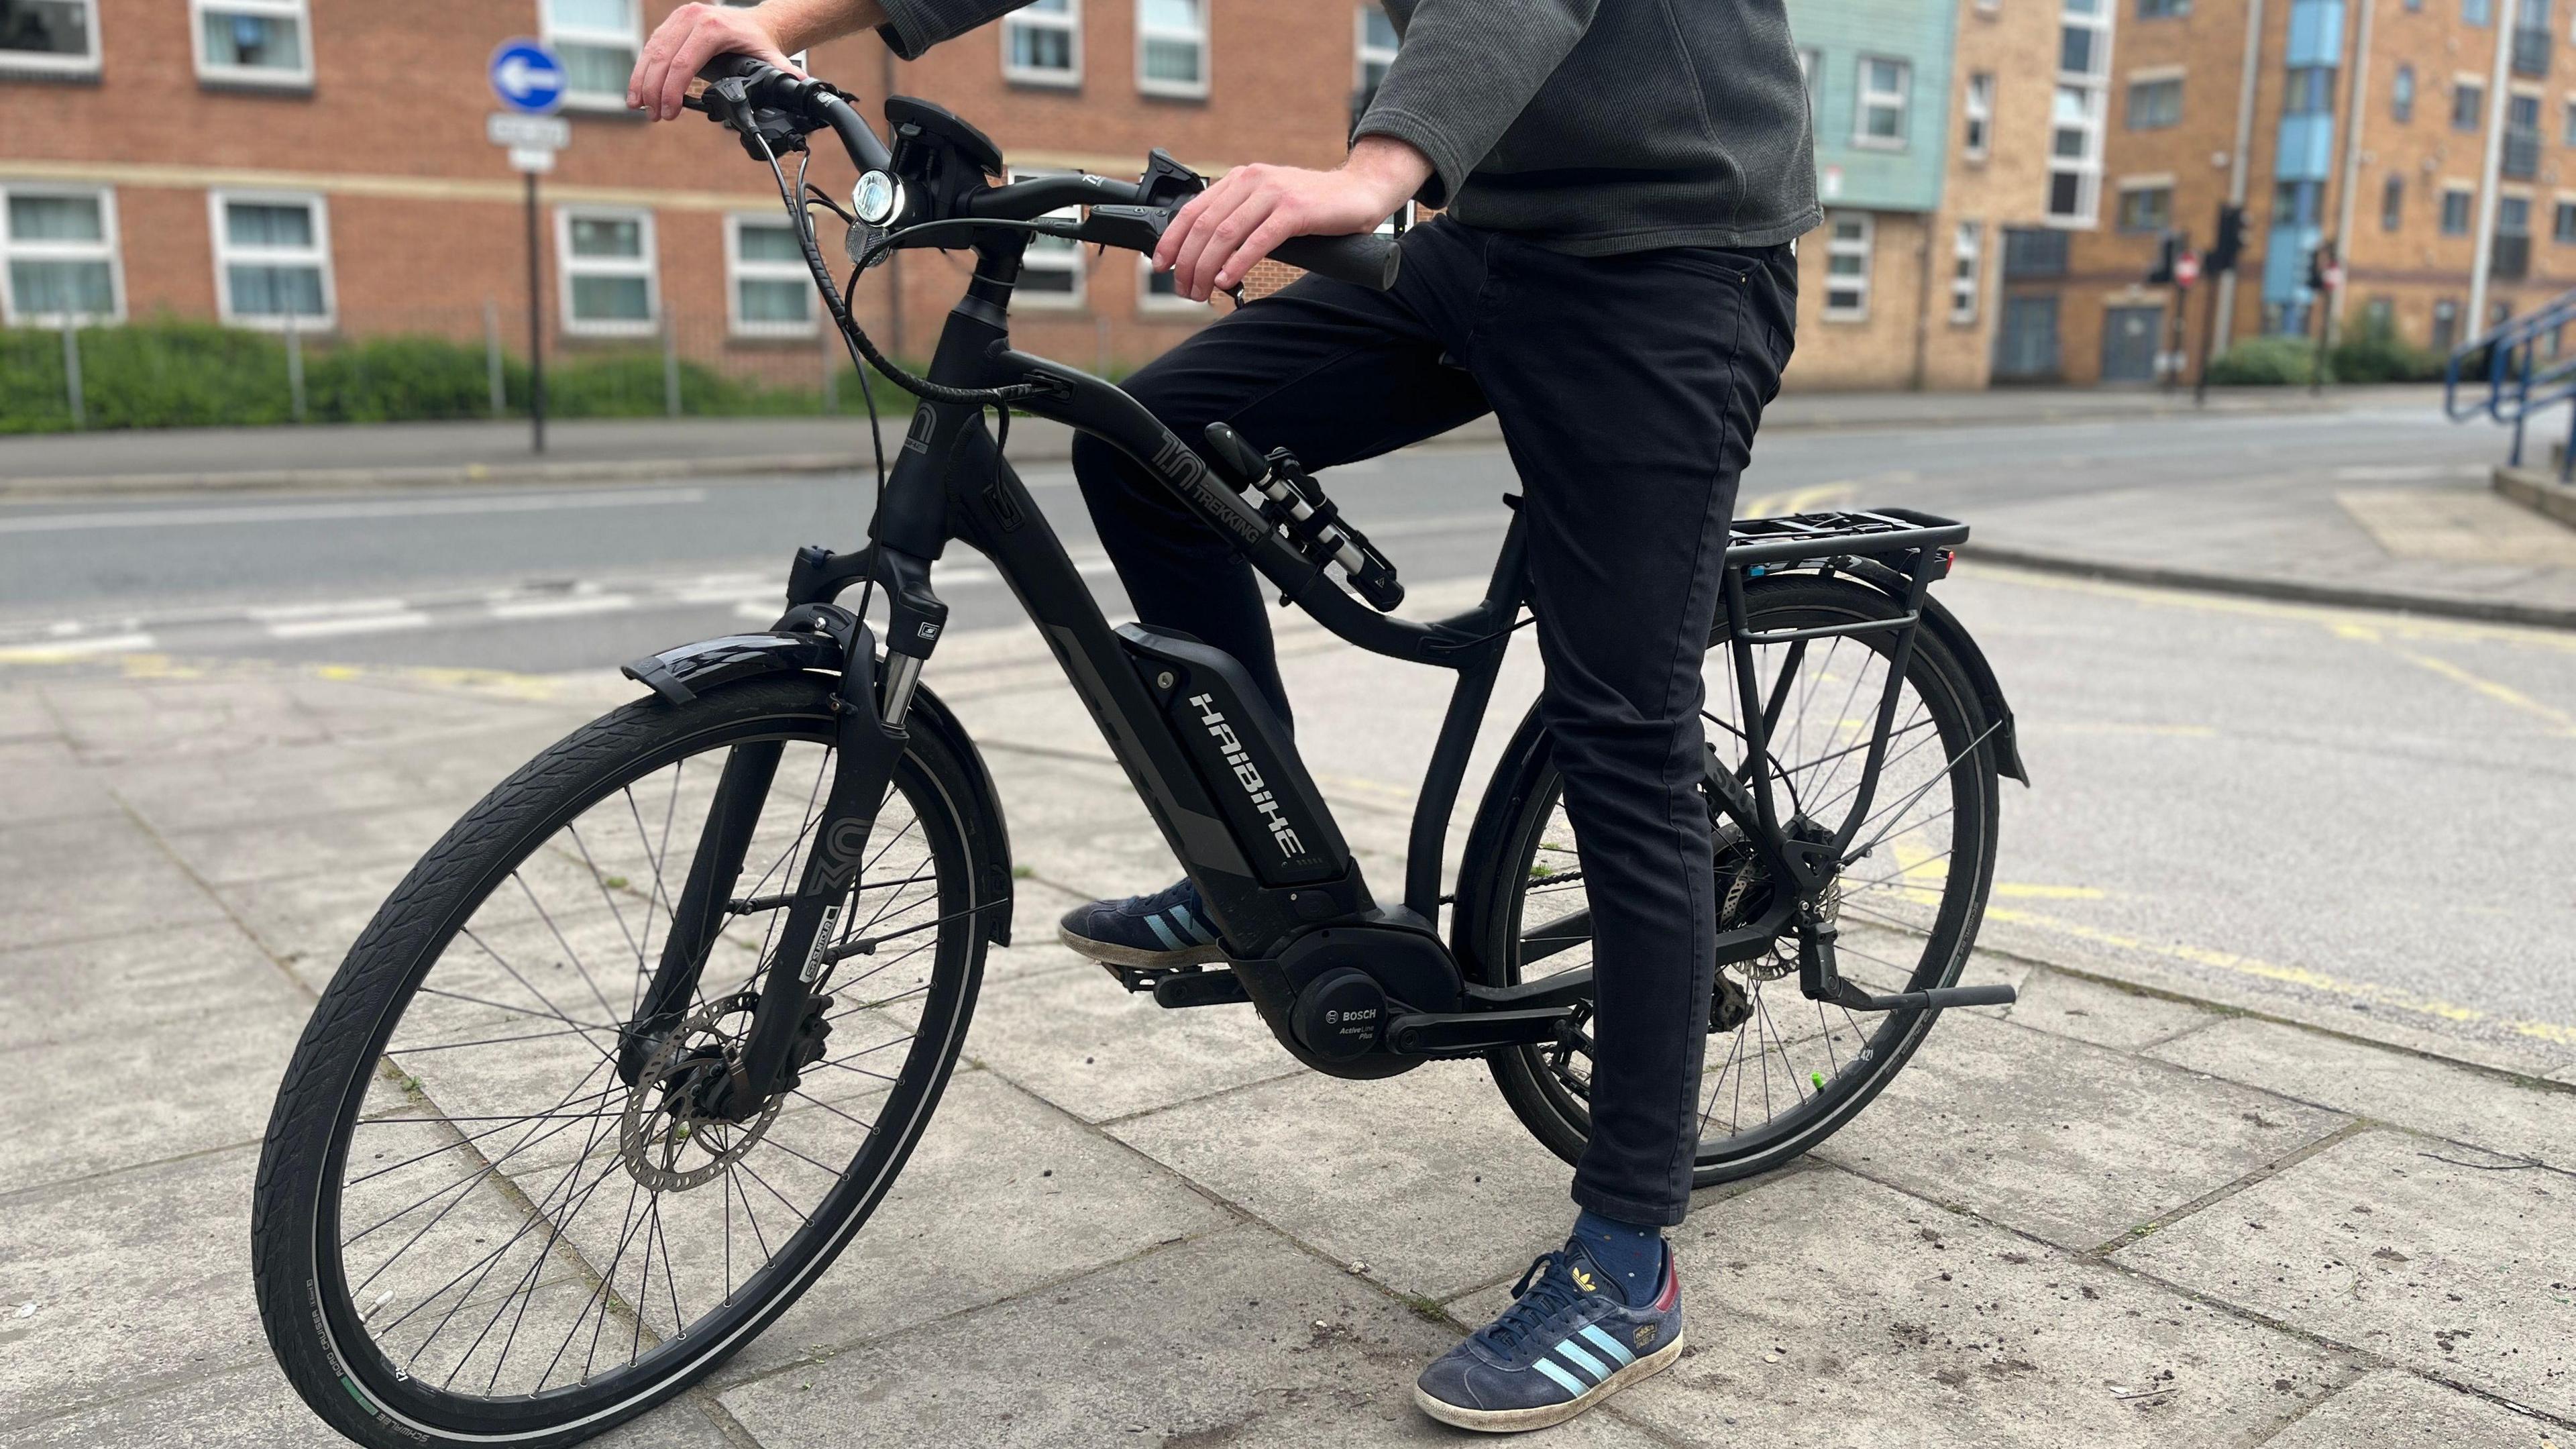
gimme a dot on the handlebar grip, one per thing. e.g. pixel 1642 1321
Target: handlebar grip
pixel 730 65
pixel 1366 260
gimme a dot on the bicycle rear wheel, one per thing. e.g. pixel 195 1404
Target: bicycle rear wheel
pixel 1783 1072
pixel 470 1227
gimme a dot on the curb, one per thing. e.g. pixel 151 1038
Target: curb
pixel 1050 444
pixel 2539 492
pixel 2297 591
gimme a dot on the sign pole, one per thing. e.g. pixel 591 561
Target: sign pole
pixel 536 327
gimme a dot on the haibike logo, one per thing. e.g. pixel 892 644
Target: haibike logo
pixel 1249 776
pixel 1174 460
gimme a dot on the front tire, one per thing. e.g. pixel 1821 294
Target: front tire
pixel 469 1226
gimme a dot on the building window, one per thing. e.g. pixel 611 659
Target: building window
pixel 2309 92
pixel 2146 208
pixel 1377 42
pixel 2567 126
pixel 252 42
pixel 606 261
pixel 1879 119
pixel 2401 96
pixel 2078 112
pixel 1847 265
pixel 1159 293
pixel 2455 211
pixel 1172 47
pixel 2379 318
pixel 2392 203
pixel 2155 104
pixel 2468 106
pixel 2083 41
pixel 2298 203
pixel 1051 271
pixel 772 289
pixel 59 246
pixel 2562 222
pixel 2163 9
pixel 1809 63
pixel 597 41
pixel 1979 107
pixel 1042 43
pixel 2478 12
pixel 1967 255
pixel 2446 326
pixel 53 36
pixel 272 258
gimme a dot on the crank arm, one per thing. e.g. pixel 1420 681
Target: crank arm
pixel 1474 1033
pixel 1852 998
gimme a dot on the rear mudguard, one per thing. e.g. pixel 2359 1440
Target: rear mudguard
pixel 1524 761
pixel 682 674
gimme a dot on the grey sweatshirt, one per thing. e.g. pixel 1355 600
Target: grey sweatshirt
pixel 1591 126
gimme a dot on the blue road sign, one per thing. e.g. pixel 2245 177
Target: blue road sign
pixel 527 77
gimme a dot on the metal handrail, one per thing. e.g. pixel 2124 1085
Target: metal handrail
pixel 2518 382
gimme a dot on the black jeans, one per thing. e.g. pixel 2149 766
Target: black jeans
pixel 1628 388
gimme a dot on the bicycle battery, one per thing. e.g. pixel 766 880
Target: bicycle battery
pixel 1241 752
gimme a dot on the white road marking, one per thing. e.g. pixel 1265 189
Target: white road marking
pixel 385 622
pixel 561 608
pixel 383 508
pixel 71 648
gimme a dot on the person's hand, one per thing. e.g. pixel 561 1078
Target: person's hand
pixel 1225 229
pixel 694 35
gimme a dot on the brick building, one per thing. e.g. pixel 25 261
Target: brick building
pixel 1932 142
pixel 2361 123
pixel 324 161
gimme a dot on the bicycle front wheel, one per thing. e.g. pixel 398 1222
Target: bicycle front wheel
pixel 472 1225
pixel 1782 1072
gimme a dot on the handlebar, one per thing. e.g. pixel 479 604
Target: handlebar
pixel 766 85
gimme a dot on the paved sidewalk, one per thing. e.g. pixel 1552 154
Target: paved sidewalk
pixel 391 454
pixel 2100 1218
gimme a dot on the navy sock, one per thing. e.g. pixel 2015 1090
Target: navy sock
pixel 1631 1253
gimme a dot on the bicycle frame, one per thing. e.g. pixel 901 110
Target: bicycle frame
pixel 1220 777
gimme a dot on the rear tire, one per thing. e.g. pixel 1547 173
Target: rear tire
pixel 459 1009
pixel 1776 1084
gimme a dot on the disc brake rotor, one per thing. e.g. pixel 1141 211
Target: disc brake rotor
pixel 667 1144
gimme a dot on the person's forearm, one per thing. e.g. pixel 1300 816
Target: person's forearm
pixel 799 24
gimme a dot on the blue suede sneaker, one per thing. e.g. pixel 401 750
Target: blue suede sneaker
pixel 1168 928
pixel 1570 1342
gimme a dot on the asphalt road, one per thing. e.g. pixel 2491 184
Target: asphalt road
pixel 2354 812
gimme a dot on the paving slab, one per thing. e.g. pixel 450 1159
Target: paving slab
pixel 310 844
pixel 1003 1195
pixel 123 987
pixel 1077 1039
pixel 1427 1178
pixel 41 780
pixel 309 921
pixel 2380 1243
pixel 140 1279
pixel 2062 1139
pixel 2064 1005
pixel 1944 1331
pixel 152 1096
pixel 1238 1339
pixel 88 877
pixel 2394 1410
pixel 254 1408
pixel 2409 1091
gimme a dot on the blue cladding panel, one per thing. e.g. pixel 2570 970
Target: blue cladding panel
pixel 1919 32
pixel 2316 32
pixel 2306 148
pixel 2285 262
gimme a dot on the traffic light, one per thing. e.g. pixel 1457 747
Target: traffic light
pixel 2162 273
pixel 2323 274
pixel 2231 241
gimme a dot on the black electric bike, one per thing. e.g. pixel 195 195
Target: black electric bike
pixel 641 1044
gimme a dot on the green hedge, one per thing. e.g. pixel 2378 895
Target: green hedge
pixel 2378 357
pixel 168 374
pixel 2265 362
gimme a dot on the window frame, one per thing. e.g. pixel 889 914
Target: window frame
pixel 2129 119
pixel 1864 98
pixel 1204 38
pixel 109 243
pixel 740 269
pixel 28 62
pixel 253 77
pixel 1977 109
pixel 2401 94
pixel 1043 257
pixel 2092 90
pixel 2163 186
pixel 1150 303
pixel 1866 248
pixel 2392 202
pixel 1361 51
pixel 2468 206
pixel 553 34
pixel 1967 289
pixel 2478 117
pixel 647 265
pixel 1069 24
pixel 220 234
pixel 2562 219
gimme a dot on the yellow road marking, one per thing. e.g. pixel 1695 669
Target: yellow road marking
pixel 1796 500
pixel 2261 969
pixel 2504 694
pixel 2017 890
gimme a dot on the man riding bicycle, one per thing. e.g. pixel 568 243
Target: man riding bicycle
pixel 1612 277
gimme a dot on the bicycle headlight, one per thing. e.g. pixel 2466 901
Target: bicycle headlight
pixel 875 198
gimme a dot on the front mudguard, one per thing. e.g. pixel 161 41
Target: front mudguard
pixel 683 673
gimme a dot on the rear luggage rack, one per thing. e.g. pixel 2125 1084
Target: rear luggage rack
pixel 1766 545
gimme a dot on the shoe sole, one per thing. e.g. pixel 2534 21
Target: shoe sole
pixel 1113 955
pixel 1517 1421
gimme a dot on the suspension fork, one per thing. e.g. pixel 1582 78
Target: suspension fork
pixel 698 916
